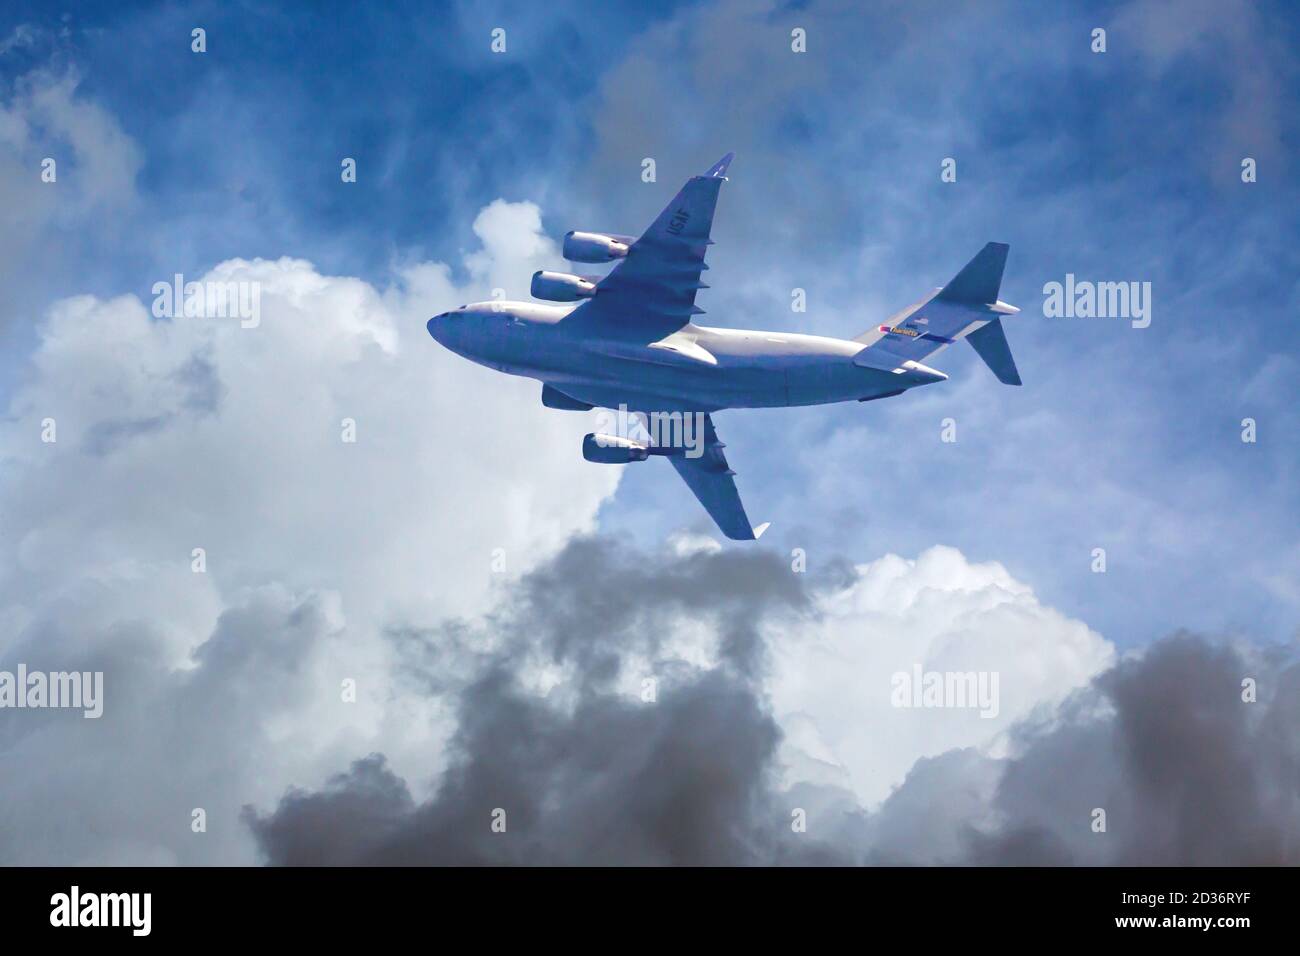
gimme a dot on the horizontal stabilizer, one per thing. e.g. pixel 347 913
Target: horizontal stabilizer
pixel 990 342
pixel 910 373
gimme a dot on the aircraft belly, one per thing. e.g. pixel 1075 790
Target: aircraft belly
pixel 680 382
pixel 608 375
pixel 836 380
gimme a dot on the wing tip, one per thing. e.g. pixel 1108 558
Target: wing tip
pixel 758 532
pixel 719 169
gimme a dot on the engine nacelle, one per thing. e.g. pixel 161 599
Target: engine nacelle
pixel 561 287
pixel 595 247
pixel 613 450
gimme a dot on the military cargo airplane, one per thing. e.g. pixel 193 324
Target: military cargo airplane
pixel 627 340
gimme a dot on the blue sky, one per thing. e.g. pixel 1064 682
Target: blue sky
pixel 1114 167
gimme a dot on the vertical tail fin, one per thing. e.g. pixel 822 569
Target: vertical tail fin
pixel 978 284
pixel 980 280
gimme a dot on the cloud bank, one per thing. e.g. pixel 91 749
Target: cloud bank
pixel 583 770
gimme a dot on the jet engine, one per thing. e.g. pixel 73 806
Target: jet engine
pixel 613 450
pixel 561 287
pixel 595 247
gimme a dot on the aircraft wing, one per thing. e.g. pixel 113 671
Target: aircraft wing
pixel 712 481
pixel 651 292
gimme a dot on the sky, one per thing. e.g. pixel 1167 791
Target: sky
pixel 497 602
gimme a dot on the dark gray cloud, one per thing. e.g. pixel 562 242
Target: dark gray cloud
pixel 602 777
pixel 1187 772
pixel 681 781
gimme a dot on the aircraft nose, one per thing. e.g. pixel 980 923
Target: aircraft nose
pixel 437 326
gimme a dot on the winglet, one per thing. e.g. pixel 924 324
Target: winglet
pixel 758 532
pixel 719 169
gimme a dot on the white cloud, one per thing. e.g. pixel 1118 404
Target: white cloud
pixel 177 434
pixel 96 160
pixel 685 543
pixel 831 683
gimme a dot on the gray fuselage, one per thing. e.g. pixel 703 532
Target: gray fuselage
pixel 696 368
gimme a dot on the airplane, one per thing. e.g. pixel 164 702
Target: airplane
pixel 627 340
